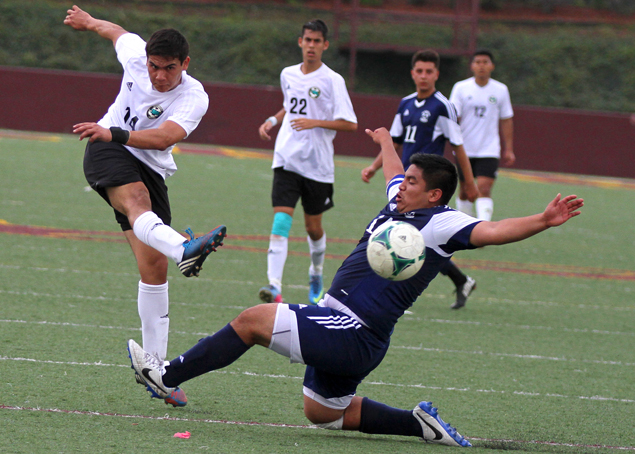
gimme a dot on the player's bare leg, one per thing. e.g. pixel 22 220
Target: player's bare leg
pixel 317 247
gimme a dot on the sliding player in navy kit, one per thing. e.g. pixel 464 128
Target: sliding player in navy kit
pixel 345 337
pixel 424 122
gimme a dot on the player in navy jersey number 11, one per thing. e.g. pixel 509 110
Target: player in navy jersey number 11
pixel 346 336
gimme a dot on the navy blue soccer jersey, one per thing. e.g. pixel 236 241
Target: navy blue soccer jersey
pixel 380 302
pixel 424 125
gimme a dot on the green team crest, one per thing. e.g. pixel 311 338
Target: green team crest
pixel 154 112
pixel 492 99
pixel 314 92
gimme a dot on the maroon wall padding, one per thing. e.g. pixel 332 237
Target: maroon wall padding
pixel 557 140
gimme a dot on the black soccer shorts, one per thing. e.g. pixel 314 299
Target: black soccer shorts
pixel 110 164
pixel 289 187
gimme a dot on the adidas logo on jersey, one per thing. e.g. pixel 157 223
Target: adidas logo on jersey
pixel 129 85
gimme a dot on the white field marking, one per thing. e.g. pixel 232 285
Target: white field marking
pixel 512 355
pixel 419 347
pixel 371 383
pixel 526 327
pixel 288 426
pixel 443 296
pixel 156 418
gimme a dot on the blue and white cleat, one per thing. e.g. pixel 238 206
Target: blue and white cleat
pixel 316 288
pixel 149 369
pixel 197 250
pixel 435 430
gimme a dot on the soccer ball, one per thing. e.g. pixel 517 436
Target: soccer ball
pixel 396 250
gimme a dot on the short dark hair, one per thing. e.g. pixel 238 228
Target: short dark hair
pixel 427 55
pixel 438 173
pixel 316 25
pixel 169 43
pixel 485 52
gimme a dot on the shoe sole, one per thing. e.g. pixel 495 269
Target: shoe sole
pixel 192 267
pixel 459 306
pixel 175 402
pixel 265 295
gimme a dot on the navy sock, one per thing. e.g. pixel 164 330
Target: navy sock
pixel 211 353
pixel 377 418
pixel 453 272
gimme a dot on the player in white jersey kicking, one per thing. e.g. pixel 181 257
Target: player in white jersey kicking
pixel 129 156
pixel 316 106
pixel 345 337
pixel 485 114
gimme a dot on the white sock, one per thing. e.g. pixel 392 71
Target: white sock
pixel 151 230
pixel 318 251
pixel 484 208
pixel 465 206
pixel 276 258
pixel 153 305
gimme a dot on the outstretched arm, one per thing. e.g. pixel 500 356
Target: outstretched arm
pixel 300 124
pixel 559 211
pixel 82 21
pixel 369 172
pixel 390 159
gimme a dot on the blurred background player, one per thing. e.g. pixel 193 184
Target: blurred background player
pixel 316 106
pixel 485 114
pixel 424 122
pixel 129 155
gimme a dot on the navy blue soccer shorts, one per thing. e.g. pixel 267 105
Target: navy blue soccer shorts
pixel 338 350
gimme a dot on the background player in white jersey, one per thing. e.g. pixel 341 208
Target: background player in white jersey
pixel 128 157
pixel 316 106
pixel 485 114
pixel 345 337
pixel 424 123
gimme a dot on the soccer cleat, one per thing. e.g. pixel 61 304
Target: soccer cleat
pixel 270 294
pixel 435 430
pixel 177 398
pixel 462 293
pixel 149 369
pixel 197 250
pixel 316 288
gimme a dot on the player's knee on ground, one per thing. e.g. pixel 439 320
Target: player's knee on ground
pixel 333 425
pixel 281 224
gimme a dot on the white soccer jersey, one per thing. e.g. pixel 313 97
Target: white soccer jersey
pixel 139 106
pixel 480 110
pixel 319 95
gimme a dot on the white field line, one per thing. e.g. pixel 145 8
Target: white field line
pixel 419 347
pixel 369 383
pixel 486 300
pixel 286 426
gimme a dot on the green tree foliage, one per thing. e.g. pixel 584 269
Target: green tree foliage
pixel 567 66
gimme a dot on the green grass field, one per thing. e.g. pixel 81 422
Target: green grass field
pixel 540 360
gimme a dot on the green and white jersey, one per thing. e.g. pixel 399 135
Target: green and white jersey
pixel 480 110
pixel 139 106
pixel 319 95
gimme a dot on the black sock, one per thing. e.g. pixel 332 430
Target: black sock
pixel 211 353
pixel 453 272
pixel 377 418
